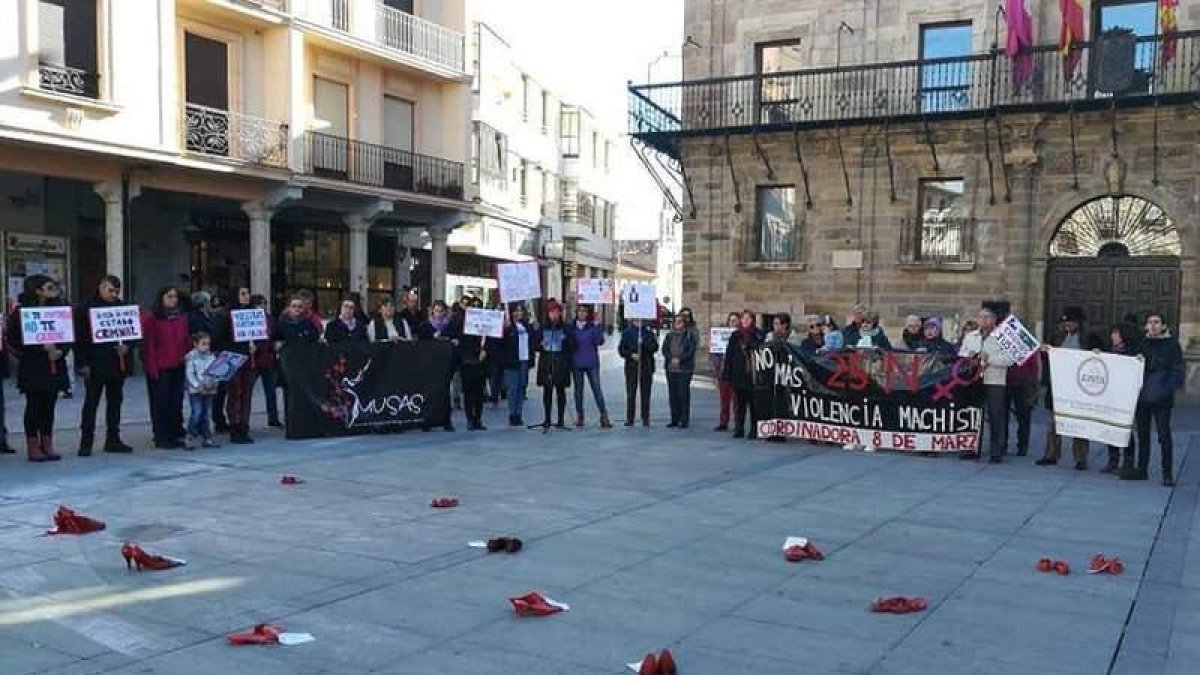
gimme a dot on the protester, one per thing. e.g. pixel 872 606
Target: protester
pixel 240 389
pixel 588 337
pixel 205 317
pixel 474 357
pixel 41 370
pixel 638 347
pixel 386 326
pixel 679 360
pixel 103 368
pixel 1123 340
pixel 346 326
pixel 739 371
pixel 412 315
pixel 5 448
pixel 779 341
pixel 725 390
pixel 690 319
pixel 201 390
pixel 297 324
pixel 851 331
pixel 555 344
pixel 995 362
pixel 267 363
pixel 165 342
pixel 932 341
pixel 913 332
pixel 1165 371
pixel 870 334
pixel 781 329
pixel 834 338
pixel 1071 334
pixel 1022 397
pixel 814 339
pixel 516 352
pixel 439 326
pixel 359 312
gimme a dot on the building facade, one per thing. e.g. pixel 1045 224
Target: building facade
pixel 885 152
pixel 542 168
pixel 276 144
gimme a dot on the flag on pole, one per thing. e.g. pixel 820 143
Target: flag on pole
pixel 1168 26
pixel 1074 31
pixel 1019 43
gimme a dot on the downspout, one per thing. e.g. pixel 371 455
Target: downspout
pixel 1030 246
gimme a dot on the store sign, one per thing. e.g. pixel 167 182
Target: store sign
pixel 115 324
pixel 47 325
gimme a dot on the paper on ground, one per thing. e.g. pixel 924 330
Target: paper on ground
pixel 477 544
pixel 290 639
pixel 795 541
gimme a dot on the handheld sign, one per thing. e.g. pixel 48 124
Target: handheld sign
pixel 47 325
pixel 594 291
pixel 640 302
pixel 225 366
pixel 115 324
pixel 718 339
pixel 484 322
pixel 249 324
pixel 1016 340
pixel 518 281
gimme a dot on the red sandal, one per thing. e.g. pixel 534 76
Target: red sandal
pixel 1062 568
pixel 1045 565
pixel 263 634
pixel 1100 564
pixel 444 502
pixel 536 604
pixel 899 605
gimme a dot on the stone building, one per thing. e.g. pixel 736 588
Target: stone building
pixel 885 152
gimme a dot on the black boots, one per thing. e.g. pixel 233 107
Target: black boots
pixel 1113 460
pixel 239 434
pixel 112 444
pixel 85 445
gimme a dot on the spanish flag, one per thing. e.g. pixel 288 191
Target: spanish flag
pixel 1168 26
pixel 1074 31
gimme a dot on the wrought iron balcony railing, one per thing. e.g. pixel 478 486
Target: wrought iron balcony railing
pixel 917 89
pixel 222 133
pixel 66 80
pixel 388 28
pixel 343 159
pixel 937 241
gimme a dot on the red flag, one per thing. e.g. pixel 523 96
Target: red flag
pixel 1168 27
pixel 1020 40
pixel 1074 31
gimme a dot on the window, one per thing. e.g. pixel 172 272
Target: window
pixel 778 238
pixel 398 143
pixel 330 152
pixel 523 182
pixel 524 98
pixel 607 151
pixel 777 94
pixel 68 58
pixel 595 149
pixel 545 112
pixel 476 159
pixel 569 120
pixel 492 156
pixel 944 230
pixel 1139 17
pixel 945 85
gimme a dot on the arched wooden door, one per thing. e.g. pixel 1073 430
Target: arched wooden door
pixel 1114 256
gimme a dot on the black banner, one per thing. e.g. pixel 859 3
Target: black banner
pixel 872 399
pixel 353 387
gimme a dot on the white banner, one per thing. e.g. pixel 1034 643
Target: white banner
pixel 1095 394
pixel 518 281
pixel 47 325
pixel 485 322
pixel 1016 340
pixel 249 324
pixel 594 291
pixel 718 339
pixel 115 324
pixel 640 301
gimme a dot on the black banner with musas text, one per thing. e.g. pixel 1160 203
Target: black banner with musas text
pixel 353 388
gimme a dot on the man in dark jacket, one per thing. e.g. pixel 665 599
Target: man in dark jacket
pixel 103 368
pixel 1071 334
pixel 638 346
pixel 5 448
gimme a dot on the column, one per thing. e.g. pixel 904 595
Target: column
pixel 437 260
pixel 114 224
pixel 260 247
pixel 359 226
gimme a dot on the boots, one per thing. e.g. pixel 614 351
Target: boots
pixel 1113 458
pixel 33 449
pixel 48 448
pixel 1126 459
pixel 5 448
pixel 579 420
pixel 114 444
pixel 85 445
pixel 239 434
pixel 605 423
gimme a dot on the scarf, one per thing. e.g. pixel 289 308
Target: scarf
pixel 438 324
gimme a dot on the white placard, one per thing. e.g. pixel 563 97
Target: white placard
pixel 594 291
pixel 640 301
pixel 249 324
pixel 122 323
pixel 47 325
pixel 1016 340
pixel 518 281
pixel 484 322
pixel 1095 394
pixel 718 339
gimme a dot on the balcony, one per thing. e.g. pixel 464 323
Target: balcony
pixel 397 34
pixel 235 136
pixel 66 80
pixel 938 243
pixel 342 159
pixel 914 90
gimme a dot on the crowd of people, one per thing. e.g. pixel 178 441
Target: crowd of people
pixel 182 335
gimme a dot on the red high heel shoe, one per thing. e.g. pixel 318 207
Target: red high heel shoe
pixel 444 502
pixel 666 663
pixel 1045 565
pixel 899 605
pixel 535 604
pixel 1103 564
pixel 67 521
pixel 650 666
pixel 1062 568
pixel 134 555
pixel 263 634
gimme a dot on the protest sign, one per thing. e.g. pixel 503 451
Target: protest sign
pixel 1016 340
pixel 225 366
pixel 640 302
pixel 1095 394
pixel 249 324
pixel 718 339
pixel 47 325
pixel 518 281
pixel 122 323
pixel 594 291
pixel 485 322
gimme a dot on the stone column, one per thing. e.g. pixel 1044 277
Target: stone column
pixel 260 247
pixel 437 260
pixel 359 226
pixel 114 224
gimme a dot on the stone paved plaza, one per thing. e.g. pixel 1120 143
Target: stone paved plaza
pixel 656 538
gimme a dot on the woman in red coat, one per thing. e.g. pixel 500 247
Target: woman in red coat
pixel 165 342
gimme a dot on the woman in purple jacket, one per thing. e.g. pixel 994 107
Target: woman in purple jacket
pixel 585 360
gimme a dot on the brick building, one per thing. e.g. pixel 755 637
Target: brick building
pixel 884 152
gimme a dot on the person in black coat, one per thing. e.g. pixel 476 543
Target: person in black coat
pixel 346 326
pixel 104 368
pixel 1123 340
pixel 516 350
pixel 638 347
pixel 739 371
pixel 440 326
pixel 5 448
pixel 1165 371
pixel 473 358
pixel 41 370
pixel 554 344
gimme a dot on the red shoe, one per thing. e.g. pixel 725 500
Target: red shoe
pixel 289 479
pixel 48 448
pixel 795 553
pixel 506 544
pixel 444 502
pixel 666 663
pixel 1045 565
pixel 1109 565
pixel 263 634
pixel 813 552
pixel 650 666
pixel 67 521
pixel 533 604
pixel 899 605
pixel 134 555
pixel 1062 568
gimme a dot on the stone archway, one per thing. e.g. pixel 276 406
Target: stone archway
pixel 1114 255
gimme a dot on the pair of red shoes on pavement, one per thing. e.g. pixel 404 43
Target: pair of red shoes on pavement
pixel 806 552
pixel 1103 565
pixel 135 555
pixel 1059 567
pixel 444 502
pixel 899 605
pixel 67 521
pixel 663 664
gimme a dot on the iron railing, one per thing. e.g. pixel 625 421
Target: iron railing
pixel 352 161
pixel 67 80
pixel 223 133
pixel 935 241
pixel 388 28
pixel 901 90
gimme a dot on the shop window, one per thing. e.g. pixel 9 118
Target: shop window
pixel 777 237
pixel 68 57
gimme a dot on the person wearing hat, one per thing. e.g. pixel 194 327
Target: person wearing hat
pixel 554 344
pixel 931 341
pixel 1070 334
pixel 913 333
pixel 41 370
